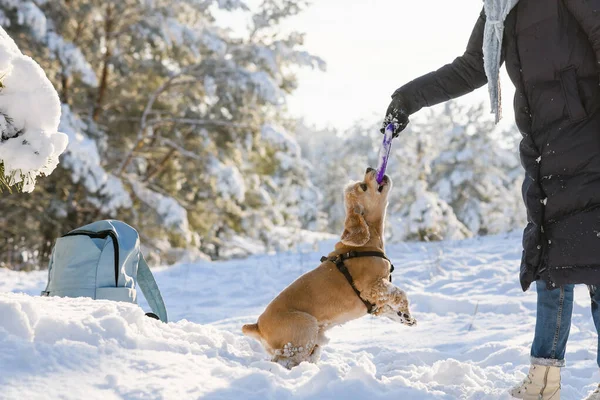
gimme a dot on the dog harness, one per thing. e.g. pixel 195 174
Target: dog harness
pixel 339 263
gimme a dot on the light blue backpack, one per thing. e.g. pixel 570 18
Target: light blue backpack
pixel 103 260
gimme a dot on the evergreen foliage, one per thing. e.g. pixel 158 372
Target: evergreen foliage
pixel 176 125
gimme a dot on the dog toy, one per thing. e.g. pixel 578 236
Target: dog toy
pixel 384 152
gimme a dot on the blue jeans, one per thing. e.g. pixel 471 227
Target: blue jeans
pixel 554 310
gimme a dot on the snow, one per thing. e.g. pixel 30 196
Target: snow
pixel 266 88
pixel 281 139
pixel 30 108
pixel 83 159
pixel 232 4
pixel 279 239
pixel 71 58
pixel 230 182
pixel 171 213
pixel 210 87
pixel 28 13
pixel 472 340
pixel 213 42
pixel 429 217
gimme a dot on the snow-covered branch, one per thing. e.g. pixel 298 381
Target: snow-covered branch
pixel 29 116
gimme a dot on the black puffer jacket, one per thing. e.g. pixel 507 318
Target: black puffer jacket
pixel 551 49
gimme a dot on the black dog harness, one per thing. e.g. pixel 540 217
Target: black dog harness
pixel 339 263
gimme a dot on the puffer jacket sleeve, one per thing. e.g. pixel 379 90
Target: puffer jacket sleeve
pixel 587 13
pixel 465 74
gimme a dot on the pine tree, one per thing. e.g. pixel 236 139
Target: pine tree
pixel 478 172
pixel 166 112
pixel 455 175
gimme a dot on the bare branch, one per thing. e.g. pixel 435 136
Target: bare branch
pixel 192 121
pixel 141 135
pixel 181 150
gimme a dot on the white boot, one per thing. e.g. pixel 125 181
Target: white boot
pixel 595 395
pixel 542 383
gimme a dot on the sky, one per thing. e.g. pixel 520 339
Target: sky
pixel 372 47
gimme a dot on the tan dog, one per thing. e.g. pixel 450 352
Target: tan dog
pixel 293 325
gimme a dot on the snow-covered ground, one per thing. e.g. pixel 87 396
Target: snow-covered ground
pixel 472 340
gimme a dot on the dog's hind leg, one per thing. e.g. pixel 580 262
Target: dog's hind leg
pixel 295 339
pixel 315 352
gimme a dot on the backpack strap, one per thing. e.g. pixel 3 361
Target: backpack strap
pixel 46 293
pixel 150 289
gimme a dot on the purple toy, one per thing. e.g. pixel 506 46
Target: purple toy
pixel 384 152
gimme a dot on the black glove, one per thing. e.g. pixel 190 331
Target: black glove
pixel 396 114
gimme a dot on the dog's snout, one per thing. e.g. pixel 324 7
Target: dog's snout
pixel 369 170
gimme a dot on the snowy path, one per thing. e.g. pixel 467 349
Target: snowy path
pixel 65 348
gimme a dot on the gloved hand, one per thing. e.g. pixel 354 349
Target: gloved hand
pixel 396 114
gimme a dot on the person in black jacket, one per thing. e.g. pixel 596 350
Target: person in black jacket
pixel 551 49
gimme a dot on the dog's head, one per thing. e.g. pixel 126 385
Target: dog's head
pixel 366 203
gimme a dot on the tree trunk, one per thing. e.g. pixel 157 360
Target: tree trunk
pixel 108 26
pixel 64 94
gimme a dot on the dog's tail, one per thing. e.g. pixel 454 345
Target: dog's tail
pixel 252 331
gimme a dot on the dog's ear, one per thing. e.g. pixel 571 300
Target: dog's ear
pixel 356 231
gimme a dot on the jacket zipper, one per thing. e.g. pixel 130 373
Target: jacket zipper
pixel 102 235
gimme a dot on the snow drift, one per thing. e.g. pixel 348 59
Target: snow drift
pixel 472 341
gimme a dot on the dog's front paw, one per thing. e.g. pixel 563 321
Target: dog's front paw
pixel 397 316
pixel 406 319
